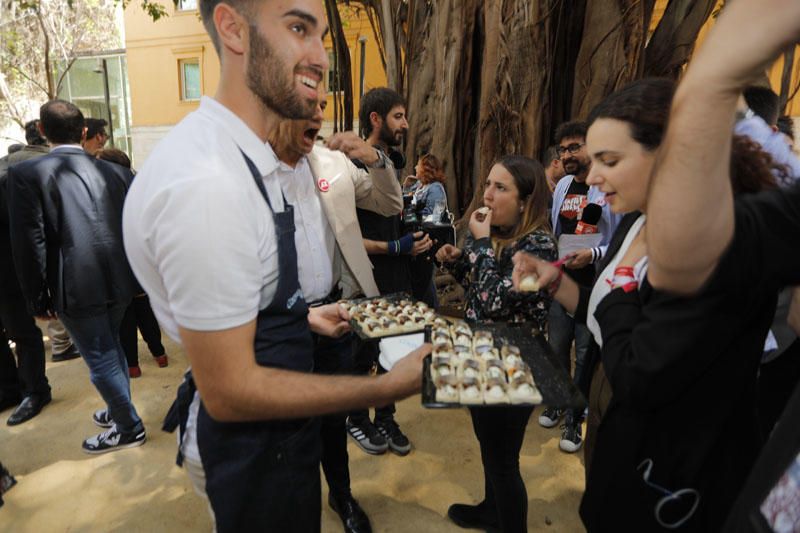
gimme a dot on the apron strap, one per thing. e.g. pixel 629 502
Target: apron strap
pixel 178 413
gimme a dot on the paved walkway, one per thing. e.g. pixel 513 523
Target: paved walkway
pixel 62 489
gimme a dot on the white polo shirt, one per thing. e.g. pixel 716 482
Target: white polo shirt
pixel 198 234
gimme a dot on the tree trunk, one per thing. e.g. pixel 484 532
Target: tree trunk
pixel 343 97
pixel 610 54
pixel 673 40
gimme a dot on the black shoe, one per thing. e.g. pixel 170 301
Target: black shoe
pixel 474 517
pixel 353 517
pixel 111 440
pixel 70 353
pixel 367 436
pixel 398 442
pixel 30 407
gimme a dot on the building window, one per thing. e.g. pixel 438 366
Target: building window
pixel 333 82
pixel 190 79
pixel 187 5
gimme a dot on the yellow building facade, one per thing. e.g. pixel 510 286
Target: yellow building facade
pixel 172 62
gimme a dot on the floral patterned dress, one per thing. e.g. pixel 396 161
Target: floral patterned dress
pixel 487 279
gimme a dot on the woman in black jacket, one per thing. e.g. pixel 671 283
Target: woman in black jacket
pixel 672 407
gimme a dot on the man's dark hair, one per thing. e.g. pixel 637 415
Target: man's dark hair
pixel 62 122
pixel 32 134
pixel 574 128
pixel 207 16
pixel 550 154
pixel 380 100
pixel 95 126
pixel 764 103
pixel 786 126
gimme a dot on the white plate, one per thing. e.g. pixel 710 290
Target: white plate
pixel 395 348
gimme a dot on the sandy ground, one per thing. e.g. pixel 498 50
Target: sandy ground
pixel 62 489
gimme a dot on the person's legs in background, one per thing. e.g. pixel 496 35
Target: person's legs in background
pixel 335 356
pixel 130 342
pixel 151 332
pixel 572 435
pixel 500 433
pixel 97 339
pixel 560 333
pixel 359 426
pixel 61 345
pixel 10 387
pixel 388 427
pixel 21 328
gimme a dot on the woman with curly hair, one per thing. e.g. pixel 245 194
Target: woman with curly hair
pixel 428 186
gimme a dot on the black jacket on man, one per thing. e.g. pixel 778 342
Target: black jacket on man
pixel 65 212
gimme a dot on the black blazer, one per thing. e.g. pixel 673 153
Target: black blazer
pixel 65 214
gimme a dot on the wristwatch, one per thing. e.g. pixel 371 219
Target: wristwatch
pixel 381 162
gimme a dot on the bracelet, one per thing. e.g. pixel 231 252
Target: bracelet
pixel 552 289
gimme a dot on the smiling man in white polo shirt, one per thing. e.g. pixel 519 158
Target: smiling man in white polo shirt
pixel 211 240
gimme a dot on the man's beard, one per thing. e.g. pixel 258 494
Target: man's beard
pixel 388 137
pixel 266 78
pixel 579 168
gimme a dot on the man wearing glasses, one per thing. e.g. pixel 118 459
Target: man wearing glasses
pixel 569 216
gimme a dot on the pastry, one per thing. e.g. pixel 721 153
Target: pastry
pixel 470 393
pixel 470 368
pixel 495 391
pixel 447 389
pixel 529 283
pixel 524 391
pixel 481 213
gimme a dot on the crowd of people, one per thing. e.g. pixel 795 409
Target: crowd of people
pixel 669 273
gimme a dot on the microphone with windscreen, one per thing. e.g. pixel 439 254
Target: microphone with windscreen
pixel 589 220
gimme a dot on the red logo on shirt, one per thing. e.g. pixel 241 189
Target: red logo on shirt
pixel 573 205
pixel 323 185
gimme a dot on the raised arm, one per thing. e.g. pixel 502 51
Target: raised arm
pixel 690 203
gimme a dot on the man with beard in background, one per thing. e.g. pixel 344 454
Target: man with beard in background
pixel 571 195
pixel 382 121
pixel 211 239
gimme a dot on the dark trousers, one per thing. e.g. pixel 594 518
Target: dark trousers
pixel 26 375
pixel 334 356
pixel 365 357
pixel 140 315
pixel 422 286
pixel 776 381
pixel 261 476
pixel 500 432
pixel 562 330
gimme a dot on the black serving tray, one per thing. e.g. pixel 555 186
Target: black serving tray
pixel 394 298
pixel 551 379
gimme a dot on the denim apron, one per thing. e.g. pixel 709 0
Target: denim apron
pixel 264 476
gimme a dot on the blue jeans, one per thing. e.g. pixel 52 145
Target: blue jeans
pixel 97 338
pixel 562 329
